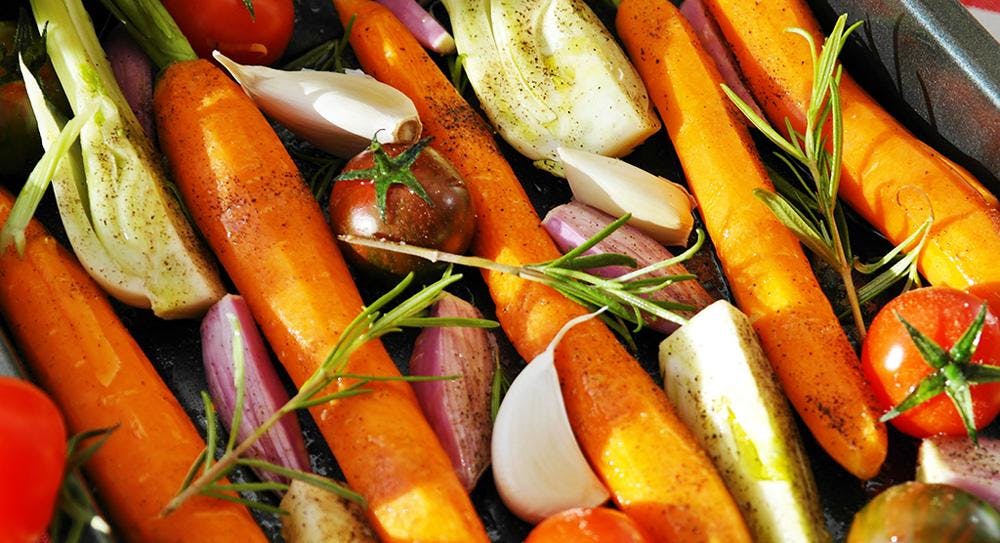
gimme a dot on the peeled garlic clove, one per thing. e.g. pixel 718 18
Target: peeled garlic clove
pixel 339 113
pixel 659 208
pixel 538 466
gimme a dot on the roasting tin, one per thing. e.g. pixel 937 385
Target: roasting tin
pixel 928 61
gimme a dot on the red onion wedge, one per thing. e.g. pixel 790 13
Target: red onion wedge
pixel 459 409
pixel 283 444
pixel 573 223
pixel 134 73
pixel 710 36
pixel 959 462
pixel 422 25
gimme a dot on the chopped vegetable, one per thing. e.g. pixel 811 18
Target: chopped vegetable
pixel 962 463
pixel 337 112
pixel 651 463
pixel 409 194
pixel 925 513
pixel 31 459
pixel 134 73
pixel 890 178
pixel 549 75
pixel 422 24
pixel 458 410
pixel 933 357
pixel 317 516
pixel 770 276
pixel 659 208
pixel 538 466
pixel 715 372
pixel 570 225
pixel 141 245
pixel 236 360
pixel 85 358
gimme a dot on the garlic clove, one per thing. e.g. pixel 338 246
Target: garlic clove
pixel 659 208
pixel 337 112
pixel 538 466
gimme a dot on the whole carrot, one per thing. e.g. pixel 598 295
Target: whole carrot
pixel 767 270
pixel 653 466
pixel 889 176
pixel 257 214
pixel 82 354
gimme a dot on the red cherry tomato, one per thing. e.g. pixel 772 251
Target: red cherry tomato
pixel 447 224
pixel 894 367
pixel 226 25
pixel 597 525
pixel 32 458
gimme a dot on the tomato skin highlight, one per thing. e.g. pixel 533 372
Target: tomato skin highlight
pixel 588 525
pixel 226 25
pixel 925 513
pixel 32 459
pixel 893 366
pixel 448 225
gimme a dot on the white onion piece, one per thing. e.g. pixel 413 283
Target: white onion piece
pixel 458 410
pixel 422 25
pixel 710 36
pixel 659 208
pixel 573 223
pixel 538 466
pixel 283 444
pixel 959 462
pixel 339 113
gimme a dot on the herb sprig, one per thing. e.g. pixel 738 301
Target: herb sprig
pixel 623 296
pixel 372 323
pixel 810 209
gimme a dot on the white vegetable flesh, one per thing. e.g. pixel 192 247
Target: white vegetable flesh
pixel 716 375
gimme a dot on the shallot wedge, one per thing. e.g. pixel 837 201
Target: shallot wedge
pixel 227 324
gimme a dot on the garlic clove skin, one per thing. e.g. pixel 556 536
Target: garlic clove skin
pixel 337 112
pixel 538 467
pixel 659 208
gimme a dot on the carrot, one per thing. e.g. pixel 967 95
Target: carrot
pixel 889 176
pixel 85 358
pixel 767 270
pixel 652 464
pixel 253 207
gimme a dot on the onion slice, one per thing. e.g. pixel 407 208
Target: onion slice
pixel 134 72
pixel 422 25
pixel 573 223
pixel 659 208
pixel 959 462
pixel 538 466
pixel 459 409
pixel 283 444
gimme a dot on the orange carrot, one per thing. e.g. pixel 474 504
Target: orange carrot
pixel 652 464
pixel 85 358
pixel 770 276
pixel 889 176
pixel 249 200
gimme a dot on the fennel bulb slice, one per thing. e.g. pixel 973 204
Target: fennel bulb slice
pixel 548 75
pixel 128 231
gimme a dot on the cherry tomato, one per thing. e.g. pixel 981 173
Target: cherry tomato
pixel 447 224
pixel 227 25
pixel 925 513
pixel 585 525
pixel 32 458
pixel 894 367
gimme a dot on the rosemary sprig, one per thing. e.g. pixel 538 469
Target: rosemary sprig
pixel 623 296
pixel 374 322
pixel 325 57
pixel 810 209
pixel 74 510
